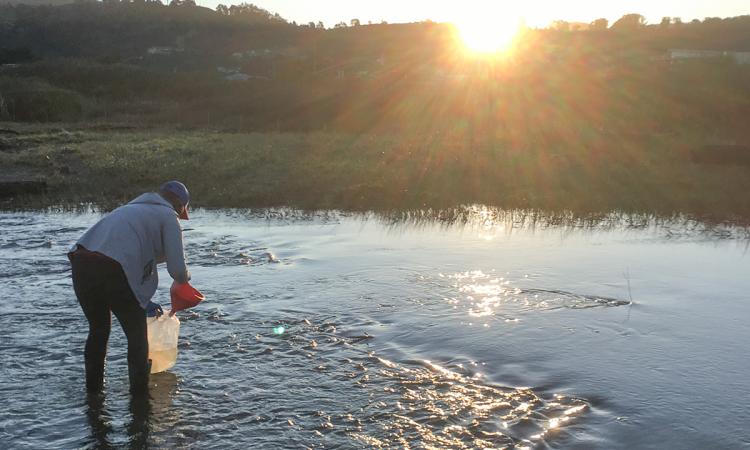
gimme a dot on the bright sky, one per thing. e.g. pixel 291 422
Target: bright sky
pixel 534 12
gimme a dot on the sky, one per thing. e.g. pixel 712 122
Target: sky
pixel 535 13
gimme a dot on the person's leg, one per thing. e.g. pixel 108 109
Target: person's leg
pixel 133 321
pixel 139 426
pixel 96 309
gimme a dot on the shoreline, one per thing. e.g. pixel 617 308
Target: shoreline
pixel 651 175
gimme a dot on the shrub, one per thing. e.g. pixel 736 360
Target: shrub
pixel 32 100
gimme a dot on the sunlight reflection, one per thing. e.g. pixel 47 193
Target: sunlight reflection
pixel 513 408
pixel 485 295
pixel 558 422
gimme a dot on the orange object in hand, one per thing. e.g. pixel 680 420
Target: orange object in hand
pixel 184 296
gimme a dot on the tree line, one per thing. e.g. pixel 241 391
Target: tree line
pixel 160 63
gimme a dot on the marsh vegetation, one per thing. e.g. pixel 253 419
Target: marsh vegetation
pixel 652 174
pixel 252 110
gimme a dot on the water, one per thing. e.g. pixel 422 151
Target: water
pixel 397 335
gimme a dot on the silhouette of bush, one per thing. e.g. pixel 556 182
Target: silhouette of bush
pixel 32 100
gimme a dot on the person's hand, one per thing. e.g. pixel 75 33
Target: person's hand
pixel 154 310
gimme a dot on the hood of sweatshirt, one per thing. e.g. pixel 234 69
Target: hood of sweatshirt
pixel 152 198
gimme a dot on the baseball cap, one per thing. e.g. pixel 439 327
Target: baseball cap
pixel 181 192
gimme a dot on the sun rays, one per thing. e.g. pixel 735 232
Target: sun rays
pixel 489 34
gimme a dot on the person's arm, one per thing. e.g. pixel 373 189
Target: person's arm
pixel 174 251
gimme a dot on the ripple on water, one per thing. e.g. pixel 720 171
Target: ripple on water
pixel 320 383
pixel 485 295
pixel 226 250
pixel 436 407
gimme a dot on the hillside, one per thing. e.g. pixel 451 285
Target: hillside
pixel 38 2
pixel 246 68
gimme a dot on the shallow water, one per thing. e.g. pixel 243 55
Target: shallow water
pixel 396 335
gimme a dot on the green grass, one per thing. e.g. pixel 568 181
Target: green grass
pixel 586 173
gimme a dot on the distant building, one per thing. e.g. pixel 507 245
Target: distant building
pixel 741 57
pixel 265 53
pixel 163 50
pixel 234 74
pixel 683 54
pixel 237 77
pixel 228 70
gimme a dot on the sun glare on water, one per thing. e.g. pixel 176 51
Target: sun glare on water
pixel 488 35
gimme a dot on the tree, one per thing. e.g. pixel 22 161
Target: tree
pixel 252 13
pixel 629 22
pixel 665 22
pixel 222 9
pixel 561 25
pixel 600 24
pixel 355 22
pixel 15 56
pixel 320 25
pixel 340 25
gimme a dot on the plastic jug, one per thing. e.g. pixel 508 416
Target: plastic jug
pixel 162 341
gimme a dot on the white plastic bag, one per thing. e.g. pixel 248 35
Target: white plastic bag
pixel 162 341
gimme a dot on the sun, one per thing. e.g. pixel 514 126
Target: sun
pixel 488 35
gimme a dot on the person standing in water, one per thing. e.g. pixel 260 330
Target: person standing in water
pixel 114 271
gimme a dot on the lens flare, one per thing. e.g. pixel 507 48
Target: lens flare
pixel 489 35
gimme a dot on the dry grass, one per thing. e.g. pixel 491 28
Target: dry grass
pixel 590 174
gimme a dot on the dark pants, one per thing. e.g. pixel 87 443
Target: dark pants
pixel 102 288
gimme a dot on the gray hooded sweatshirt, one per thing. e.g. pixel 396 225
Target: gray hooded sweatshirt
pixel 140 235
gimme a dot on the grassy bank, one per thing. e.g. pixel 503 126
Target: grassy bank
pixel 583 173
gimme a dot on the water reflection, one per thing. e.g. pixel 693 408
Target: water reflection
pixel 99 421
pixel 139 427
pixel 375 351
pixel 147 415
pixel 437 407
pixel 485 295
pixel 490 221
pixel 161 415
